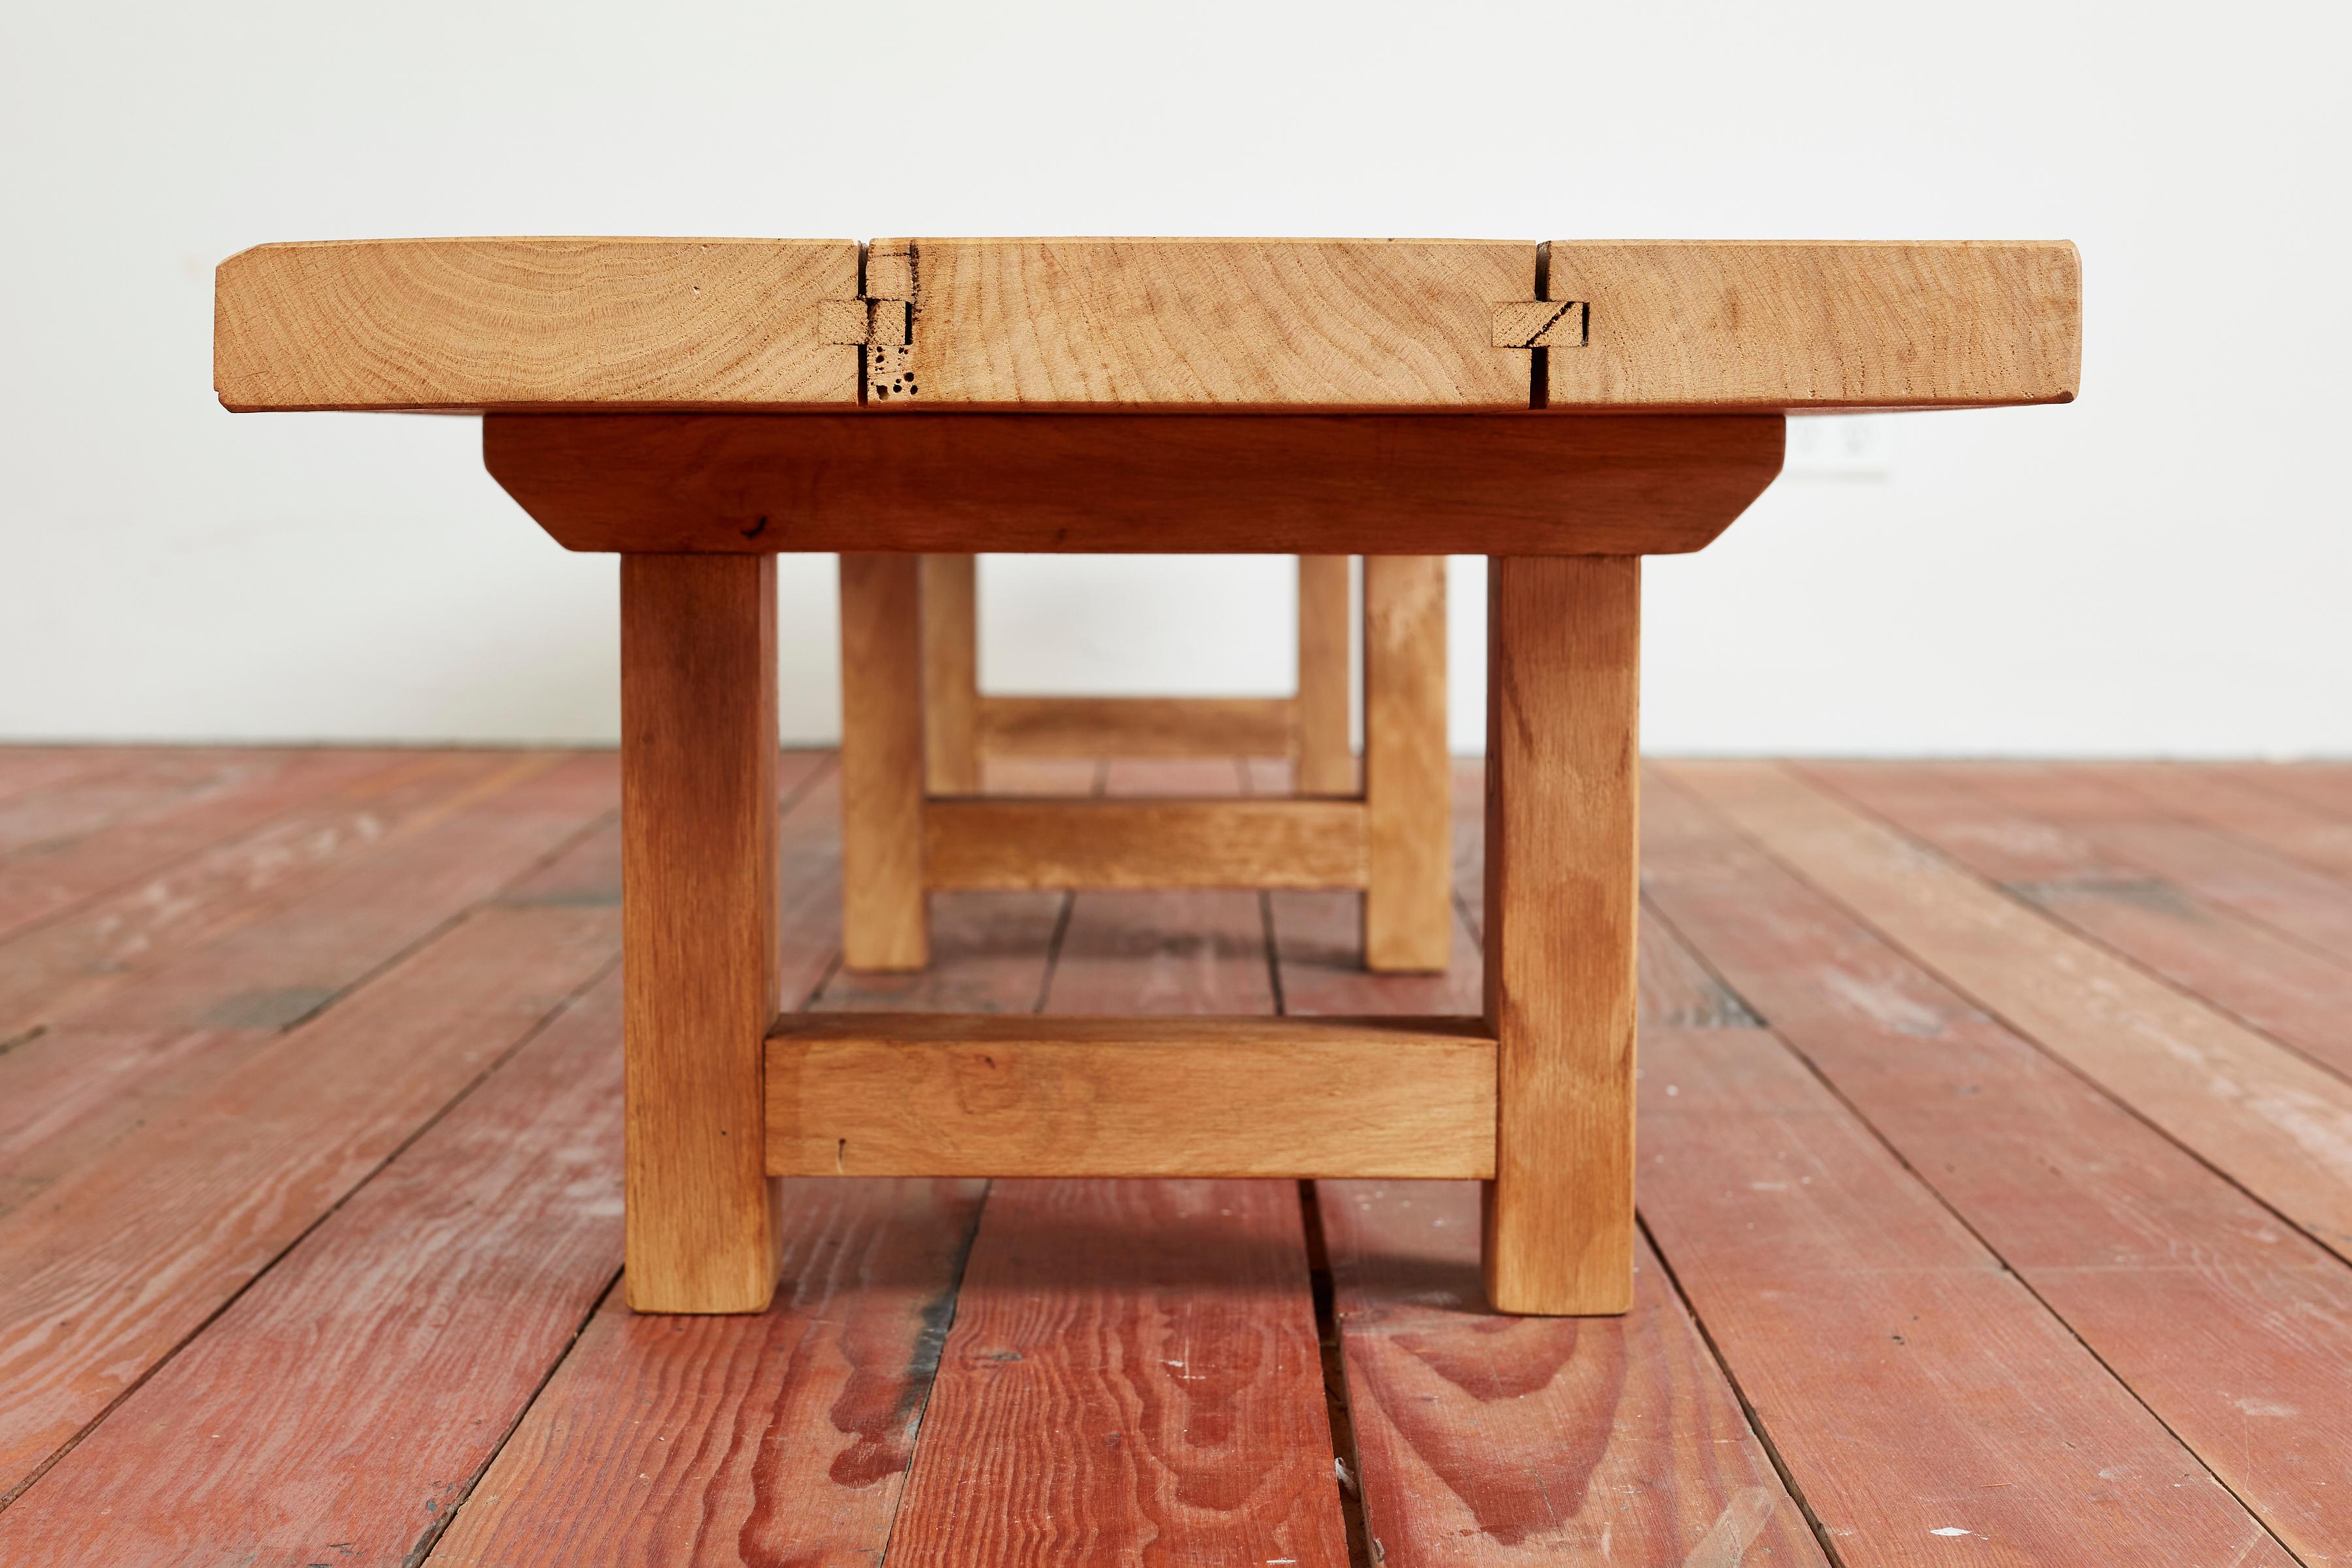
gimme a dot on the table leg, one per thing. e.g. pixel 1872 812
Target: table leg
pixel 1408 778
pixel 1325 763
pixel 1562 681
pixel 883 923
pixel 700 935
pixel 950 674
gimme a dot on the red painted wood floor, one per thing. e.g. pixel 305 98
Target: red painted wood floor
pixel 1996 1196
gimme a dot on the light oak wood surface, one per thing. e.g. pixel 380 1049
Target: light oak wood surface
pixel 1110 483
pixel 699 909
pixel 1563 678
pixel 1271 324
pixel 952 710
pixel 1734 325
pixel 1408 777
pixel 462 325
pixel 943 1095
pixel 883 918
pixel 1325 760
pixel 1218 323
pixel 1008 843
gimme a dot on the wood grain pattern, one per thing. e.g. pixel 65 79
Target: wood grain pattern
pixel 2107 884
pixel 190 922
pixel 60 878
pixel 987 843
pixel 124 1258
pixel 1563 665
pixel 2122 811
pixel 1106 483
pixel 475 324
pixel 883 919
pixel 466 325
pixel 1320 749
pixel 977 1095
pixel 1408 777
pixel 2235 1329
pixel 1220 727
pixel 952 700
pixel 1191 323
pixel 1674 988
pixel 1906 1381
pixel 1132 1377
pixel 129 1039
pixel 1781 325
pixel 1492 1441
pixel 276 964
pixel 2277 1124
pixel 500 1225
pixel 767 1438
pixel 698 895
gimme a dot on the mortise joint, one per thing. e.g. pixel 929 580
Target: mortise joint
pixel 1542 324
pixel 884 315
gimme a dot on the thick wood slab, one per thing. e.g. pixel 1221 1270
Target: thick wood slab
pixel 1232 324
pixel 979 1095
pixel 463 325
pixel 1206 323
pixel 1110 483
pixel 1781 325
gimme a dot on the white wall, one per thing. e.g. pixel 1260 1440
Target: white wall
pixel 2161 568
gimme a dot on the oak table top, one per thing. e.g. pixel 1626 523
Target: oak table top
pixel 1146 325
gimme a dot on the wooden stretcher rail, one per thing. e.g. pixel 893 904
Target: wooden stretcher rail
pixel 1366 484
pixel 1012 842
pixel 1139 726
pixel 948 1095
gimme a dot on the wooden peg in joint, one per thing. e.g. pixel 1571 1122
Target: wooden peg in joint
pixel 1541 324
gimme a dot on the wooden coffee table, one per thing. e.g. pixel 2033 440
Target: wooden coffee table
pixel 702 405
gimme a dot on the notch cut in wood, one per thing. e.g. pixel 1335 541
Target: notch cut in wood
pixel 883 317
pixel 867 323
pixel 1542 324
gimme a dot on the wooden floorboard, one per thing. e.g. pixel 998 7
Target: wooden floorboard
pixel 2113 884
pixel 2258 1111
pixel 2234 1329
pixel 118 1262
pixel 2012 1231
pixel 1915 1393
pixel 340 1408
